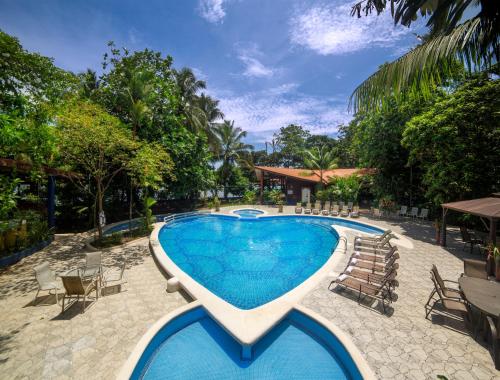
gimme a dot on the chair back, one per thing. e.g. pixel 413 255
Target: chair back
pixel 385 234
pixel 73 285
pixel 437 286
pixel 44 274
pixel 336 207
pixel 390 253
pixel 403 210
pixel 414 211
pixel 349 205
pixel 437 277
pixel 308 205
pixel 391 262
pixel 93 259
pixel 122 269
pixel 341 204
pixel 299 204
pixel 376 212
pixel 327 205
pixel 424 213
pixel 316 205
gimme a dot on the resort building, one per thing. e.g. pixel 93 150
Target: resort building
pixel 300 184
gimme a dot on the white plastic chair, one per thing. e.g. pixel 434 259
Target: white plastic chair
pixel 424 214
pixel 414 212
pixel 46 279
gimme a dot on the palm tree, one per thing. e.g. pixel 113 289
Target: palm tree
pixel 230 148
pixel 474 42
pixel 320 158
pixel 210 108
pixel 89 82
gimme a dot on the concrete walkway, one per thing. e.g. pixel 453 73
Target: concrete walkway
pixel 38 342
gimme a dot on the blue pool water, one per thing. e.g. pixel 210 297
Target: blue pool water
pixel 193 346
pixel 248 262
pixel 248 213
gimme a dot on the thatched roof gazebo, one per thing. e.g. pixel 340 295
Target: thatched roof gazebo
pixel 486 208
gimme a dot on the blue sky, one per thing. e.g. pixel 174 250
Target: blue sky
pixel 270 62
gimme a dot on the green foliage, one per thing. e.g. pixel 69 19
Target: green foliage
pixel 150 165
pixel 148 202
pixel 323 195
pixel 291 141
pixel 456 143
pixel 249 197
pixel 275 196
pixel 320 158
pixel 345 188
pixel 8 195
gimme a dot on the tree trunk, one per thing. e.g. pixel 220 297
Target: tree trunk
pixel 99 207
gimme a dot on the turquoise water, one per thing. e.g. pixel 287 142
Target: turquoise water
pixel 249 262
pixel 248 213
pixel 297 348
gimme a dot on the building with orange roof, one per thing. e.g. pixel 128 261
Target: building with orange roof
pixel 299 184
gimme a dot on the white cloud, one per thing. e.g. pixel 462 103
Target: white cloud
pixel 331 30
pixel 250 56
pixel 262 113
pixel 212 10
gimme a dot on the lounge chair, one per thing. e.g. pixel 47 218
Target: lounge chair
pixel 377 245
pixel 424 214
pixel 315 209
pixel 374 257
pixel 494 327
pixel 469 238
pixel 298 208
pixel 343 212
pixel 326 208
pixel 78 286
pixel 46 279
pixel 374 278
pixel 349 206
pixel 335 210
pixel 413 213
pixel 374 239
pixel 380 291
pixel 377 213
pixel 403 211
pixel 475 268
pixel 376 267
pixel 355 212
pixel 450 304
pixel 308 208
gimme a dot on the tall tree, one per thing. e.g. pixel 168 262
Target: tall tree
pixel 291 141
pixel 231 149
pixel 320 158
pixel 452 34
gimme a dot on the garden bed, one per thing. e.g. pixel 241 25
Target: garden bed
pixel 17 256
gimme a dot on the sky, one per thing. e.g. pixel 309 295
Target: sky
pixel 270 62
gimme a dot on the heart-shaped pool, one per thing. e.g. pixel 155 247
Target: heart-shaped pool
pixel 249 262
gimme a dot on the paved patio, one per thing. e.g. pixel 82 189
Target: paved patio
pixel 38 342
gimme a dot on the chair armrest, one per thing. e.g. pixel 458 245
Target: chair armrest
pixel 475 268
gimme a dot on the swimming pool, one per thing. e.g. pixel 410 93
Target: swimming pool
pixel 193 346
pixel 248 262
pixel 248 212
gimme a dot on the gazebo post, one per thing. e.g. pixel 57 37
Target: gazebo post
pixel 493 231
pixel 443 228
pixel 51 201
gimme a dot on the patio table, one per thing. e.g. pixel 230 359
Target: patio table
pixel 85 274
pixel 483 294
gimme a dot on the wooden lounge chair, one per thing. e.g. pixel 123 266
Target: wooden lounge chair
pixel 315 209
pixel 452 305
pixel 377 213
pixel 355 212
pixel 403 211
pixel 376 267
pixel 349 206
pixel 76 287
pixel 46 279
pixel 370 239
pixel 494 327
pixel 413 213
pixel 380 291
pixel 308 208
pixel 326 209
pixel 343 212
pixel 384 244
pixel 298 208
pixel 335 210
pixel 373 278
pixel 424 214
pixel 469 238
pixel 374 257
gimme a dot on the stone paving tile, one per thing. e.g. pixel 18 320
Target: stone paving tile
pixel 36 342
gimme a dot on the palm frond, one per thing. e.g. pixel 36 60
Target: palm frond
pixel 420 70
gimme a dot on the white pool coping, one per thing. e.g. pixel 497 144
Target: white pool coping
pixel 233 212
pixel 249 326
pixel 135 356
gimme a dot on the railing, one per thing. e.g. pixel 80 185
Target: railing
pixel 183 215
